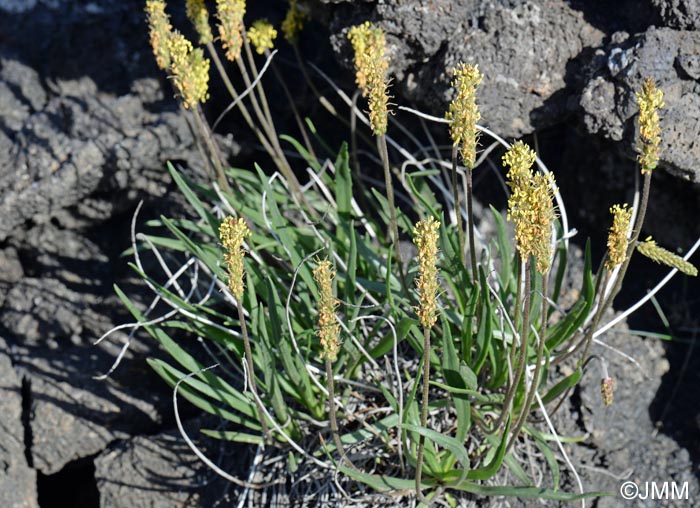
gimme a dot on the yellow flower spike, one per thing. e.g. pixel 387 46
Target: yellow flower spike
pixel 261 35
pixel 189 69
pixel 617 237
pixel 530 206
pixel 230 15
pixel 607 390
pixel 328 328
pixel 233 232
pixel 650 100
pixel 198 14
pixel 464 112
pixel 425 235
pixel 293 22
pixel 371 66
pixel 649 249
pixel 159 28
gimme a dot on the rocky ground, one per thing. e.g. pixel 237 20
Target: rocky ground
pixel 87 123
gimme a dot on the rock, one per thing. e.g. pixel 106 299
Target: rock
pixel 609 103
pixel 17 479
pixel 161 471
pixel 526 50
pixel 615 450
pixel 683 14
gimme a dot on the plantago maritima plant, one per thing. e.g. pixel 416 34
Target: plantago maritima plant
pixel 475 365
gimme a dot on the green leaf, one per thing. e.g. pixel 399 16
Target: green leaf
pixel 568 382
pixel 237 437
pixel 310 160
pixel 193 199
pixel 453 376
pixel 487 471
pixel 447 442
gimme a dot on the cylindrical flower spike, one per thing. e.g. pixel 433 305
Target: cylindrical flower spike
pixel 189 69
pixel 607 390
pixel 293 22
pixel 649 249
pixel 198 14
pixel 261 35
pixel 328 327
pixel 617 237
pixel 160 30
pixel 371 66
pixel 530 206
pixel 230 15
pixel 233 232
pixel 425 235
pixel 650 100
pixel 464 112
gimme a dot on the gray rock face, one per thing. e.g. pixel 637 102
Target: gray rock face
pixel 684 14
pixel 626 441
pixel 524 48
pixel 17 479
pixel 609 102
pixel 161 471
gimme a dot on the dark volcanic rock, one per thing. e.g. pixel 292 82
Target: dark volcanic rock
pixel 17 479
pixel 161 471
pixel 626 444
pixel 668 56
pixel 527 51
pixel 684 14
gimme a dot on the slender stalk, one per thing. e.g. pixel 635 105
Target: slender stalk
pixel 249 362
pixel 332 415
pixel 470 218
pixel 529 399
pixel 242 108
pixel 512 389
pixel 384 154
pixel 295 111
pixel 516 316
pixel 596 320
pixel 268 126
pixel 423 414
pixel 214 152
pixel 458 211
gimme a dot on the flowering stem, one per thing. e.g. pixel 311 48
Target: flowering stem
pixel 458 211
pixel 384 154
pixel 249 362
pixel 424 413
pixel 214 153
pixel 331 413
pixel 525 411
pixel 470 218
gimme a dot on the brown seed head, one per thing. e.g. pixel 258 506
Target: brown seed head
pixel 607 390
